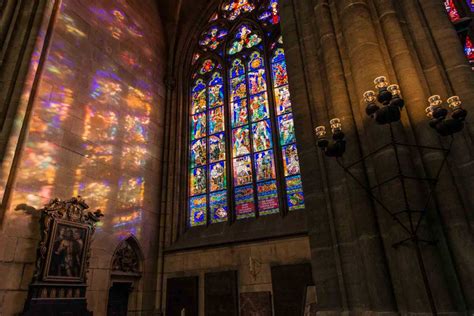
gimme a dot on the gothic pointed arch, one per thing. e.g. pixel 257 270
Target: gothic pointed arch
pixel 128 257
pixel 243 162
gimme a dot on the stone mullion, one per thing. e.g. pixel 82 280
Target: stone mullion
pixel 415 97
pixel 367 62
pixel 308 94
pixel 368 274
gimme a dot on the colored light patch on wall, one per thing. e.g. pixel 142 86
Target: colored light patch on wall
pixel 287 129
pixel 197 181
pixel 244 202
pixel 237 69
pixel 257 81
pixel 216 120
pixel 283 102
pixel 238 88
pixel 265 165
pixel 259 107
pixel 216 91
pixel 294 192
pixel 242 171
pixel 197 210
pixel 198 153
pixel 239 113
pixel 198 126
pixel 217 176
pixel 290 160
pixel 218 206
pixel 199 102
pixel 241 141
pixel 217 147
pixel 267 198
pixel 261 134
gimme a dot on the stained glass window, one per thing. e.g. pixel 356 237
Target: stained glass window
pixel 243 160
pixel 470 4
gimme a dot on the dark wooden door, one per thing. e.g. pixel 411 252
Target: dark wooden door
pixel 220 294
pixel 289 284
pixel 182 293
pixel 118 299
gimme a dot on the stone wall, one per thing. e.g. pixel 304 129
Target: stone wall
pixel 90 124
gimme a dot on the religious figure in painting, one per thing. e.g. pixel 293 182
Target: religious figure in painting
pixel 287 130
pixel 199 126
pixel 217 177
pixel 291 160
pixel 283 100
pixel 243 172
pixel 281 76
pixel 257 81
pixel 259 107
pixel 216 122
pixel 241 142
pixel 261 137
pixel 198 150
pixel 199 101
pixel 244 39
pixel 66 259
pixel 199 181
pixel 217 148
pixel 236 7
pixel 265 166
pixel 216 95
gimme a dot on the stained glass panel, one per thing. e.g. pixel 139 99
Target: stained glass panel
pixel 259 107
pixel 241 141
pixel 207 66
pixel 261 134
pixel 267 198
pixel 242 171
pixel 294 192
pixel 216 91
pixel 469 48
pixel 239 113
pixel 238 88
pixel 244 202
pixel 291 163
pixel 197 207
pixel 452 11
pixel 216 120
pixel 244 38
pixel 237 69
pixel 279 72
pixel 217 147
pixel 283 102
pixel 197 181
pixel 270 15
pixel 470 3
pixel 256 61
pixel 212 38
pixel 257 81
pixel 234 8
pixel 217 176
pixel 265 165
pixel 198 153
pixel 198 126
pixel 218 206
pixel 199 102
pixel 287 129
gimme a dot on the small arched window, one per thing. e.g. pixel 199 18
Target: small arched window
pixel 243 159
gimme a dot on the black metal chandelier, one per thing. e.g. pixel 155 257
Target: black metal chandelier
pixel 385 107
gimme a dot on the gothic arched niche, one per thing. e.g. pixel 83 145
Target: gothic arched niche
pixel 127 257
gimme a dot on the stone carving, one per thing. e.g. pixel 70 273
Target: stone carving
pixel 126 259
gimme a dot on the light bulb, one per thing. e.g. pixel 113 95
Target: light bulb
pixel 320 131
pixel 381 82
pixel 454 102
pixel 335 125
pixel 394 89
pixel 370 97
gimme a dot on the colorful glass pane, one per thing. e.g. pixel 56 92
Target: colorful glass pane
pixel 287 129
pixel 216 120
pixel 291 162
pixel 197 209
pixel 469 48
pixel 207 66
pixel 261 134
pixel 237 69
pixel 216 91
pixel 217 147
pixel 197 181
pixel 283 102
pixel 199 102
pixel 265 165
pixel 294 192
pixel 234 8
pixel 259 107
pixel 217 176
pixel 244 202
pixel 239 113
pixel 212 38
pixel 267 198
pixel 238 88
pixel 470 3
pixel 257 81
pixel 242 171
pixel 256 61
pixel 452 11
pixel 241 141
pixel 198 153
pixel 218 206
pixel 271 15
pixel 198 126
pixel 195 58
pixel 244 38
pixel 280 75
